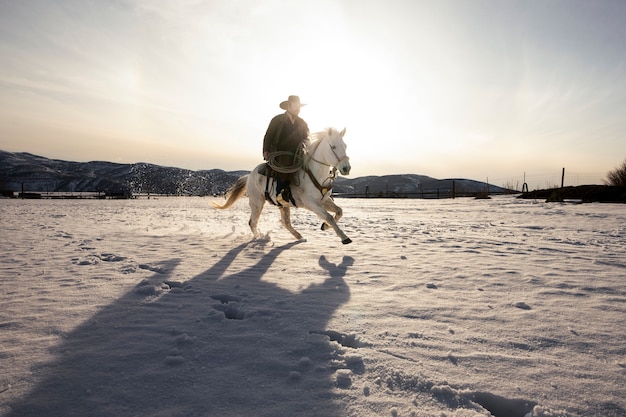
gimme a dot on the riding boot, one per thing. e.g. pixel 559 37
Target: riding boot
pixel 279 184
pixel 286 193
pixel 283 189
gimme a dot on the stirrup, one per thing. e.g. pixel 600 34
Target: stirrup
pixel 285 197
pixel 286 193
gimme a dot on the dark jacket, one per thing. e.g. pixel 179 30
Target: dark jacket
pixel 282 135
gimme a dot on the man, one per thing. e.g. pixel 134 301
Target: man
pixel 286 132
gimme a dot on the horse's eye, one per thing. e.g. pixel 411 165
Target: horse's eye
pixel 333 147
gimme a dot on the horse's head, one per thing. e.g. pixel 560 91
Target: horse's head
pixel 332 150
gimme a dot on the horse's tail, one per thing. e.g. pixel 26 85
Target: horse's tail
pixel 234 193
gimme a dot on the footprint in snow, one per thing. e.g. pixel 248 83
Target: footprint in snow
pixel 152 268
pixel 110 257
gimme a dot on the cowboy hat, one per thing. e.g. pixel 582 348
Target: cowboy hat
pixel 291 100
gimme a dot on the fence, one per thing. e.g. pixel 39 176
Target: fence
pixel 543 181
pixel 435 193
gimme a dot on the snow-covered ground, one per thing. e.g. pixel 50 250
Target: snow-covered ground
pixel 166 307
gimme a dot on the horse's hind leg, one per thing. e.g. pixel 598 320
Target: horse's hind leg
pixel 329 205
pixel 255 213
pixel 285 218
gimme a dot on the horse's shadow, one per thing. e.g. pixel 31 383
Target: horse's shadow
pixel 218 344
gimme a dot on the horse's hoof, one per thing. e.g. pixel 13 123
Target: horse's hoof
pixel 346 241
pixel 324 226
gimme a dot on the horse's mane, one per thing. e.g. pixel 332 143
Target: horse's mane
pixel 318 137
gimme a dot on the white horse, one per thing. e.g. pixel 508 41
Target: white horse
pixel 311 185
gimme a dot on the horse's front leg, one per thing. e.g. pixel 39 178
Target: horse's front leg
pixel 327 218
pixel 329 205
pixel 285 218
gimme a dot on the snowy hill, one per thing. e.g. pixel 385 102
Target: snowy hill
pixel 33 173
pixel 38 174
pixel 411 186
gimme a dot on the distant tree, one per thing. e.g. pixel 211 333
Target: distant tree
pixel 617 176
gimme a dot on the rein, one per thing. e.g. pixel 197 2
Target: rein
pixel 322 189
pixel 331 176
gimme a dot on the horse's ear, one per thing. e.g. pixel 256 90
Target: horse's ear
pixel 343 132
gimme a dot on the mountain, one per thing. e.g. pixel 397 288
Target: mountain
pixel 32 173
pixel 411 185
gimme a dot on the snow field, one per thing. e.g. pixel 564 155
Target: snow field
pixel 167 307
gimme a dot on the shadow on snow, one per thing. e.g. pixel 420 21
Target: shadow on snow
pixel 217 344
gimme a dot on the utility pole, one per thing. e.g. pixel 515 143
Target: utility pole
pixel 525 185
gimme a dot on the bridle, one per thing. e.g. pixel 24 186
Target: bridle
pixel 332 173
pixel 339 160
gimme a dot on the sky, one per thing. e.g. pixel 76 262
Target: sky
pixel 480 89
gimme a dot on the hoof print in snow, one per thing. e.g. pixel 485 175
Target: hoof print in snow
pixel 346 340
pixel 174 284
pixel 294 376
pixel 344 378
pixel 110 257
pixel 152 268
pixel 355 364
pixel 230 311
pixel 225 298
pixel 522 305
pixel 147 289
pixel 129 269
pixel 184 339
pixel 305 362
pixel 500 406
pixel 88 261
pixel 431 286
pixel 174 360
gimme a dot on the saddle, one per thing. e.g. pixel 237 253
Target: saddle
pixel 283 190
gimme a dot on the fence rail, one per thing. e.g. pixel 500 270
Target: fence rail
pixel 429 194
